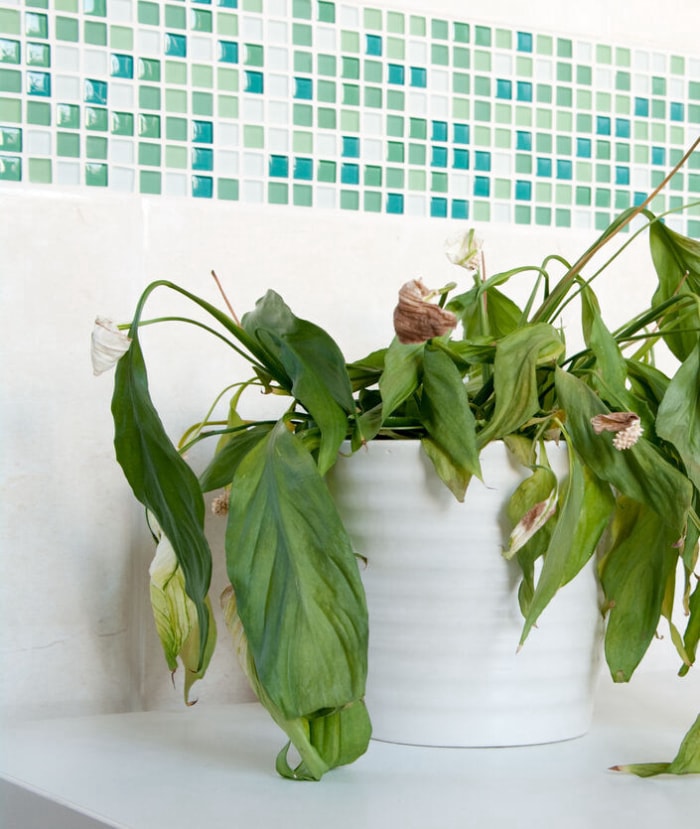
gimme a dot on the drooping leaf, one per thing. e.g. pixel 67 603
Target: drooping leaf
pixel 634 575
pixel 678 419
pixel 448 419
pixel 691 636
pixel 314 364
pixel 485 312
pixel 687 761
pixel 610 365
pixel 515 377
pixel 537 489
pixel 401 375
pixel 640 472
pixel 161 480
pixel 285 542
pixel 677 262
pixel 222 467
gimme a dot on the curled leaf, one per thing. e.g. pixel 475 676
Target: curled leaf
pixel 416 319
pixel 533 520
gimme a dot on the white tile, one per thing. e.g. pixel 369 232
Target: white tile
pixel 324 197
pixel 502 65
pixel 349 17
pixel 66 88
pixel 658 63
pixel 544 70
pixel 121 95
pixel 95 62
pixel 639 178
pixel 66 59
pixel 227 135
pixel 37 142
pixel 439 106
pixel 581 219
pixel 200 48
pixel 277 59
pixel 277 86
pixel 417 53
pixel 227 163
pixel 693 68
pixel 373 150
pixel 277 32
pixel 676 89
pixel 278 112
pixel 176 184
pixel 502 164
pixel 68 173
pixel 121 11
pixel 148 43
pixel 121 151
pixel 417 103
pixel 252 191
pixel 642 84
pixel 603 78
pixel 252 28
pixel 121 178
pixel 640 60
pixel 439 81
pixel 459 183
pixel 372 124
pixel 415 205
pixel 327 146
pixel 325 39
pixel 583 51
pixel 501 213
pixel 277 8
pixel 254 164
pixel 278 141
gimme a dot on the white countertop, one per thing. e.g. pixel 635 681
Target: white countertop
pixel 210 768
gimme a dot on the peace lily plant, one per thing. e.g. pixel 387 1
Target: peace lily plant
pixel 465 369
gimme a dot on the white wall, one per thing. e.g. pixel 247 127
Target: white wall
pixel 74 634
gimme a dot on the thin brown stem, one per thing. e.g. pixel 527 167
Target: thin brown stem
pixel 223 294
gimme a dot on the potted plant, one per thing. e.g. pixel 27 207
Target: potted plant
pixel 464 371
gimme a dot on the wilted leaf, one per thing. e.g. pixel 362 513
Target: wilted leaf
pixel 687 761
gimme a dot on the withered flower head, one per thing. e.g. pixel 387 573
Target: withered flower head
pixel 416 319
pixel 626 426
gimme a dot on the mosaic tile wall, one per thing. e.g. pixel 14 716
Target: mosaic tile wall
pixel 334 105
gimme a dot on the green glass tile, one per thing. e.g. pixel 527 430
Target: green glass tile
pixel 583 196
pixel 149 97
pixel 148 13
pixel 439 29
pixel 38 54
pixel 564 72
pixel 96 8
pixel 658 133
pixel 395 100
pixel 10 139
pixel 674 157
pixel 301 34
pixel 254 55
pixel 203 76
pixel 227 25
pixel 522 214
pixel 523 163
pixel 351 68
pixel 96 119
pixel 658 108
pixel 622 200
pixel 482 61
pixel 149 154
pixel 543 191
pixel 150 182
pixel 482 35
pixel 658 86
pixel 417 180
pixel 460 108
pixel 302 195
pixel 176 129
pixel 482 211
pixel 641 154
pixel 564 121
pixel 603 101
pixel 482 111
pixel 175 100
pixel 373 176
pixel 544 45
pixel 564 47
pixel 584 122
pixel 395 48
pixel 96 147
pixel 326 171
pixel 693 116
pixel 603 149
pixel 176 157
pixel 677 65
pixel 394 178
pixel 603 53
pixel 395 126
pixel 503 113
pixel 227 79
pixel 504 39
pixel 677 135
pixel 373 97
pixel 564 96
pixel 9 51
pixel 303 115
pixel 602 220
pixel 658 205
pixel 200 20
pixel 523 66
pixel 373 71
pixel 349 41
pixel 11 168
pixel 417 25
pixel 602 173
pixel 326 92
pixel 543 143
pixel 202 103
pixel 67 6
pixel 623 56
pixel 253 136
pixel 602 197
pixel 502 188
pixel 325 118
pixel 175 17
pixel 227 188
pixel 302 142
pixel 562 218
pixel 67 28
pixel 503 139
pixel 523 116
pixel 351 94
pixel 10 22
pixel 622 105
pixel 543 119
pixel 253 5
pixel 416 154
pixel 584 75
pixel 10 80
pixel 543 216
pixel 95 33
pixel 584 99
pixel 36 25
pixel 584 171
pixel 68 116
pixel 460 57
pixel 543 93
pixel 149 126
pixel 438 182
pixel 461 83
pixel 122 38
pixel 372 201
pixel 482 136
pixel 349 120
pixel 395 23
pixel 564 145
pixel 122 123
pixel 623 81
pixel 40 171
pixel 327 65
pixel 482 86
pixel 373 19
pixel 349 200
pixel 418 128
pixel 395 153
pixel 11 111
pixel 439 55
pixel 303 62
pixel 693 183
pixel 460 32
pixel 175 72
pixel 68 144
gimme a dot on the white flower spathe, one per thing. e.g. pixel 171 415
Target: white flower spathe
pixel 108 345
pixel 465 250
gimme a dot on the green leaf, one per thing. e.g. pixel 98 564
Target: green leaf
pixel 610 364
pixel 161 480
pixel 222 467
pixel 314 364
pixel 447 417
pixel 285 542
pixel 640 472
pixel 583 517
pixel 691 636
pixel 677 262
pixel 687 761
pixel 515 377
pixel 634 575
pixel 401 375
pixel 678 419
pixel 485 312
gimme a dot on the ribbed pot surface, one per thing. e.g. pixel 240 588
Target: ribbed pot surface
pixel 444 615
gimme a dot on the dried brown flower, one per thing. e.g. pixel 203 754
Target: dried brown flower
pixel 416 319
pixel 626 426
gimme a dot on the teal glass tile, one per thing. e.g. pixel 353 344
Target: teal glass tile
pixel 38 83
pixel 10 168
pixel 121 66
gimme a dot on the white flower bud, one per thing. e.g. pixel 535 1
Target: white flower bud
pixel 108 345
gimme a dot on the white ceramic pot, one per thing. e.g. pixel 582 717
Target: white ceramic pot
pixel 443 608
